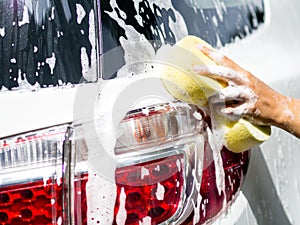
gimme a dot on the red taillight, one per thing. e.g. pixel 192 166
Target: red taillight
pixel 165 173
pixel 212 204
pixel 150 190
pixel 32 181
pixel 235 167
pixel 31 203
pixel 154 149
pixel 40 202
pixel 175 127
pixel 80 199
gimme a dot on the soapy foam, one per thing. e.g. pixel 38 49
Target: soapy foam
pixel 2 31
pixel 247 97
pixel 197 204
pixel 222 72
pixel 145 221
pixel 235 93
pixel 141 49
pixel 80 13
pixel 220 174
pixel 236 90
pixel 101 195
pixel 25 18
pixel 160 192
pixel 144 172
pixel 197 175
pixel 122 213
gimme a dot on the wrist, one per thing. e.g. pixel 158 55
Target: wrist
pixel 287 115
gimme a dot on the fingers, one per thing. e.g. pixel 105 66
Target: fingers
pixel 214 55
pixel 234 101
pixel 233 107
pixel 218 57
pixel 229 94
pixel 238 111
pixel 226 112
pixel 221 72
pixel 231 111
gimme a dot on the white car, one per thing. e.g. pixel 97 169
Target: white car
pixel 90 136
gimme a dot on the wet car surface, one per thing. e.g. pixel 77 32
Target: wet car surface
pixel 51 47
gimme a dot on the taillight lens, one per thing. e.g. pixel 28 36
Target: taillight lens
pixel 166 173
pixel 212 203
pixel 156 152
pixel 80 199
pixel 152 190
pixel 187 198
pixel 34 202
pixel 31 184
pixel 146 128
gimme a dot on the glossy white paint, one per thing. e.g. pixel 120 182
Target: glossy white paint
pixel 28 110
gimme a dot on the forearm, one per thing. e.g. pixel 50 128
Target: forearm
pixel 289 118
pixel 254 100
pixel 275 109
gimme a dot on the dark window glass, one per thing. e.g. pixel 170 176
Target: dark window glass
pixel 53 42
pixel 46 43
pixel 217 22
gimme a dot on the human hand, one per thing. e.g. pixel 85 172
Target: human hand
pixel 245 95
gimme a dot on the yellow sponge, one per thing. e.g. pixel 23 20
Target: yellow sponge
pixel 184 84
